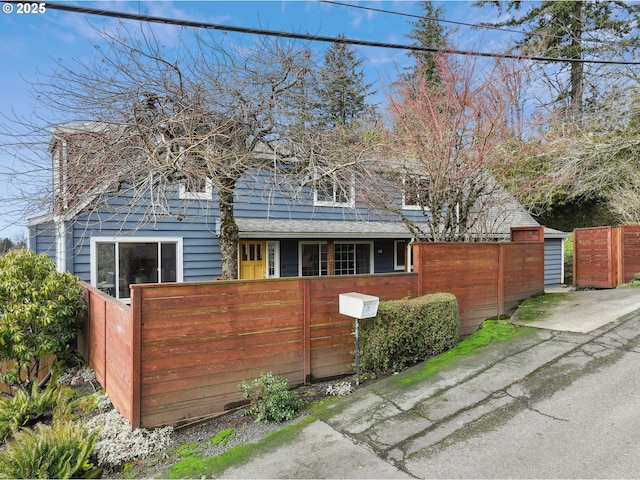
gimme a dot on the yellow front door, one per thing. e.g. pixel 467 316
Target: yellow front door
pixel 253 261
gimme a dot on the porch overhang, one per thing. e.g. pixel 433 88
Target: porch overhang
pixel 268 228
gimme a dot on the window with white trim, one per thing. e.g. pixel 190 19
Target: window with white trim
pixel 329 192
pixel 399 254
pixel 353 258
pixel 273 259
pixel 196 189
pixel 312 259
pixel 349 258
pixel 118 263
pixel 415 193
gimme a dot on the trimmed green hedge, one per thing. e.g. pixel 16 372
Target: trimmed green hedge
pixel 406 332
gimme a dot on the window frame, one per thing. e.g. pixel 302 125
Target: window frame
pixel 355 242
pixel 335 187
pixel 273 260
pixel 417 205
pixel 206 194
pixel 312 242
pixel 403 244
pixel 93 257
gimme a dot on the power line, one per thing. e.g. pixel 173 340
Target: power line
pixel 454 22
pixel 439 20
pixel 316 38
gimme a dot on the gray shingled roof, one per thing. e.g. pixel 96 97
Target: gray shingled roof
pixel 264 228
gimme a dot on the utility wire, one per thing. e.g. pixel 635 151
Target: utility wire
pixel 442 20
pixel 439 20
pixel 315 38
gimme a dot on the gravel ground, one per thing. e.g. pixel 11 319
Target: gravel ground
pixel 197 436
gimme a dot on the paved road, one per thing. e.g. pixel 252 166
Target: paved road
pixel 588 428
pixel 555 402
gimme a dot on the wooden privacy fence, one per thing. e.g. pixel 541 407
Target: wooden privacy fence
pixel 488 279
pixel 180 351
pixel 605 257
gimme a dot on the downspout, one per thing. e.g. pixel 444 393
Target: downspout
pixel 61 243
pixel 60 176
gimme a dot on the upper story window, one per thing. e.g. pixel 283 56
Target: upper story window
pixel 196 189
pixel 415 194
pixel 331 193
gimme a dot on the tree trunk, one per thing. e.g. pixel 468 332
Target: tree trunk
pixel 577 68
pixel 229 237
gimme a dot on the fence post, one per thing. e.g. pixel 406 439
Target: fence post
pixel 136 345
pixel 501 264
pixel 306 331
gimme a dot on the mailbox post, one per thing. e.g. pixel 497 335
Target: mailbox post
pixel 358 306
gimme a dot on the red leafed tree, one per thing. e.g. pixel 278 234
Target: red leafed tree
pixel 448 142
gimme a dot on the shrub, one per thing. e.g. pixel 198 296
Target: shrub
pixel 270 398
pixel 58 451
pixel 39 314
pixel 406 332
pixel 568 260
pixel 22 410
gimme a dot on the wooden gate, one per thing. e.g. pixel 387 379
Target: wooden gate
pixel 605 257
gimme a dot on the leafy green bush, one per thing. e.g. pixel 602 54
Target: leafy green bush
pixel 568 260
pixel 406 332
pixel 22 410
pixel 270 398
pixel 58 451
pixel 39 314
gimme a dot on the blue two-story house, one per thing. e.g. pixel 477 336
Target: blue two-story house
pixel 326 230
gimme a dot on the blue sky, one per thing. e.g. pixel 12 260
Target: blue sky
pixel 32 43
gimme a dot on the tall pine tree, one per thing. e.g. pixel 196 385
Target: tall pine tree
pixel 579 30
pixel 427 32
pixel 342 91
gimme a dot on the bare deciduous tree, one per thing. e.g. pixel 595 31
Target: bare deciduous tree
pixel 141 118
pixel 450 139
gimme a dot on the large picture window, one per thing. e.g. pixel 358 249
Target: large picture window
pixel 349 258
pixel 352 258
pixel 118 263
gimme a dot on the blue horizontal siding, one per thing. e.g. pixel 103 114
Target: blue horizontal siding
pixel 195 222
pixel 553 259
pixel 42 239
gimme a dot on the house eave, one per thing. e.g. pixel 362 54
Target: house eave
pixel 319 229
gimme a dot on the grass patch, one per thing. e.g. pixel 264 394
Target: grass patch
pixel 489 332
pixel 208 467
pixel 222 437
pixel 538 307
pixel 189 450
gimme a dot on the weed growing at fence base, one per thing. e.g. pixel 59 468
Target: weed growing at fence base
pixel 270 398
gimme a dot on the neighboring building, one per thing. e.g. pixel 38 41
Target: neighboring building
pixel 324 231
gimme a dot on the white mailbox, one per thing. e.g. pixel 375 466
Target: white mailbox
pixel 358 305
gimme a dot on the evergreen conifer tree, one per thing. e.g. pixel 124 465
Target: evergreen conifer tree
pixel 579 30
pixel 342 91
pixel 427 32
